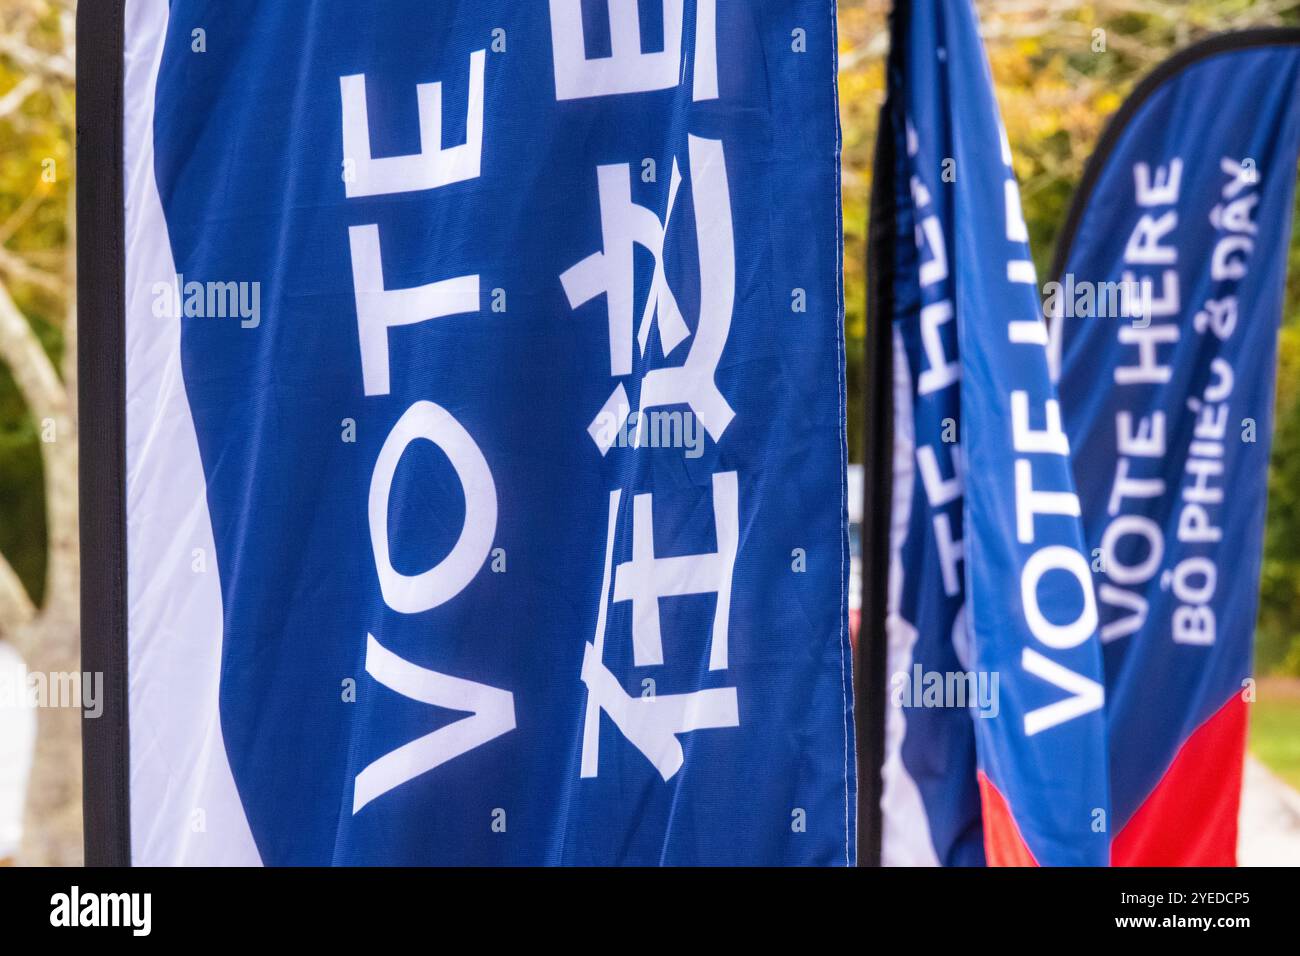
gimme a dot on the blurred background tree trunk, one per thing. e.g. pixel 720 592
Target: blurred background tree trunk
pixel 39 579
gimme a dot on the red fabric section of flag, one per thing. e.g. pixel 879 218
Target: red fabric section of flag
pixel 1190 818
pixel 1003 844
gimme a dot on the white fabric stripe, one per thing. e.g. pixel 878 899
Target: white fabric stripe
pixel 1022 270
pixel 184 805
pixel 704 86
pixel 17 743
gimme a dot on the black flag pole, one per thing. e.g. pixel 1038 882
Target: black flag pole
pixel 101 377
pixel 870 661
pixel 872 655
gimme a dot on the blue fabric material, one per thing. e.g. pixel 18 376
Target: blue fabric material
pixel 251 171
pixel 1192 204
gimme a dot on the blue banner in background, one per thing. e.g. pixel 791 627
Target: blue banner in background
pixel 993 619
pixel 930 805
pixel 1167 303
pixel 521 428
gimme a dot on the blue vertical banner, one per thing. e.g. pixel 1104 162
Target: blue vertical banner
pixel 485 434
pixel 1166 303
pixel 996 746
